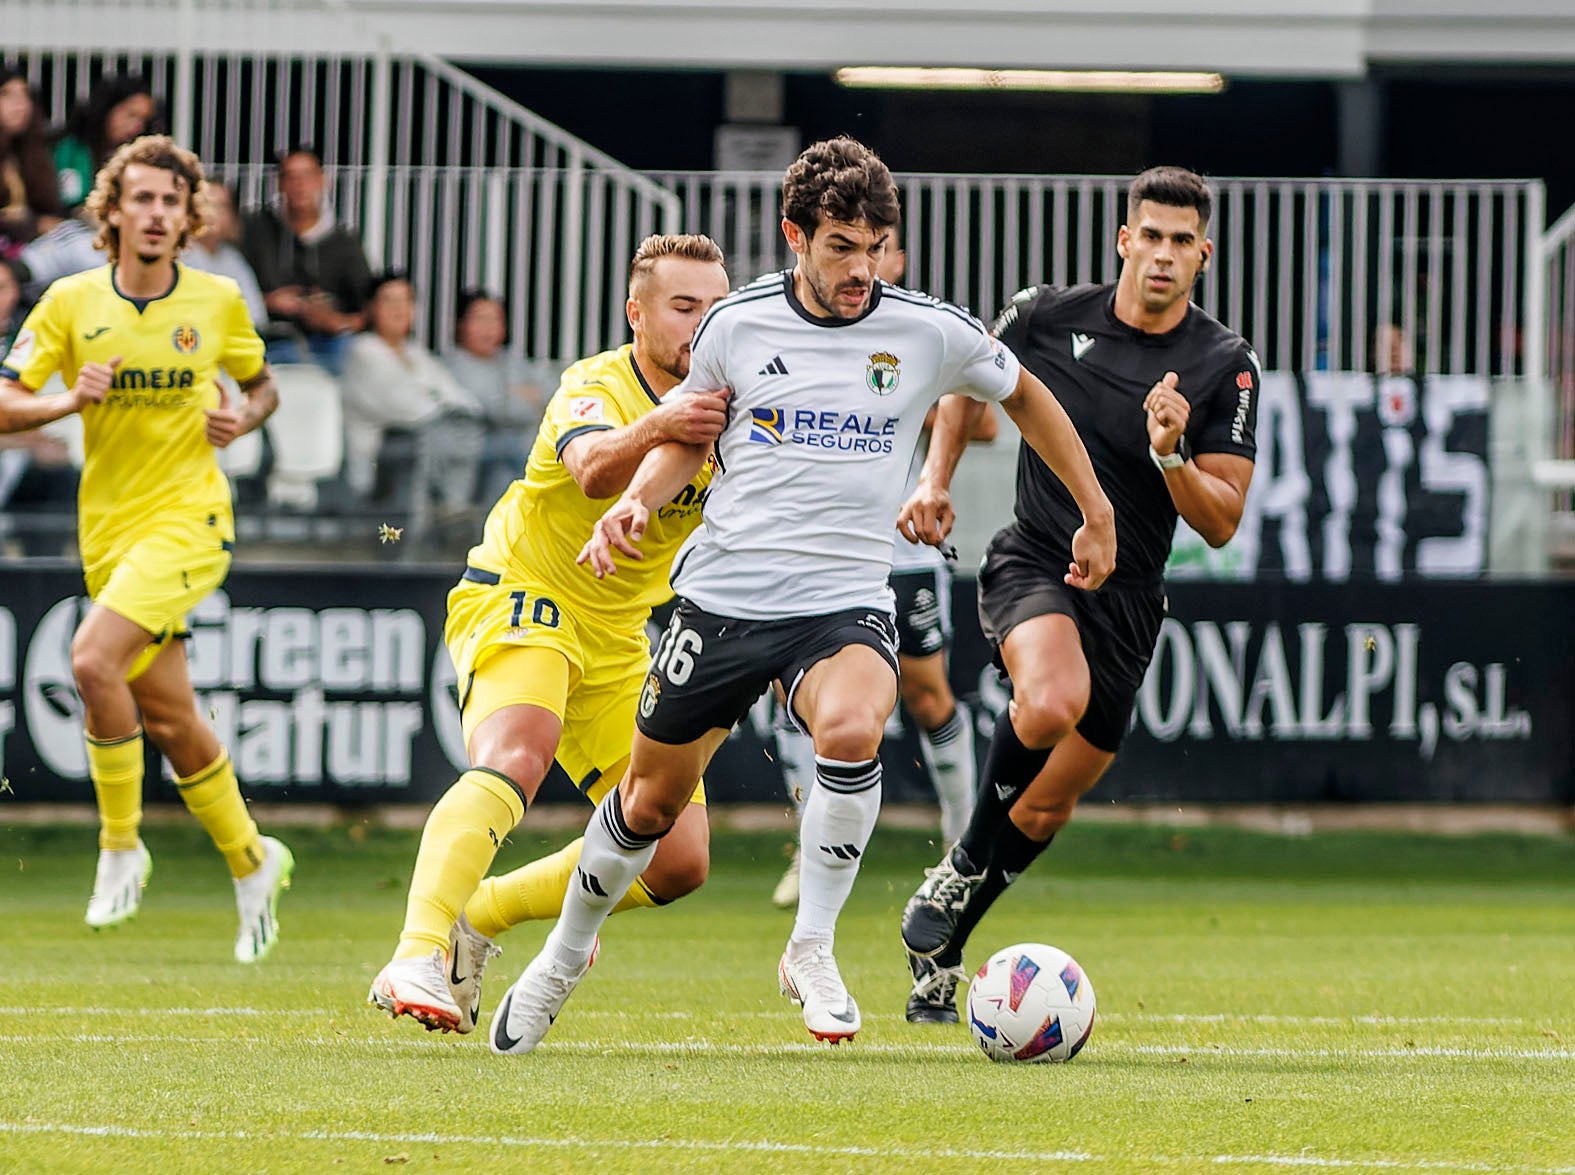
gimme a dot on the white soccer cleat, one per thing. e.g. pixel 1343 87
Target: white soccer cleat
pixel 257 901
pixel 418 988
pixel 533 1003
pixel 785 896
pixel 808 976
pixel 469 951
pixel 117 885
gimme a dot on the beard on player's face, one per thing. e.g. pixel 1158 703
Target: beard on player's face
pixel 669 355
pixel 826 289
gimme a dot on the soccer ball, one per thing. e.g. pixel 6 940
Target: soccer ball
pixel 1031 1002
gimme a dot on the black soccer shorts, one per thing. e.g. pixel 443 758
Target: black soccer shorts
pixel 709 670
pixel 924 610
pixel 1118 627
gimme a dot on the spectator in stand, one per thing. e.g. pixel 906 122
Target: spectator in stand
pixel 215 250
pixel 1392 350
pixel 29 198
pixel 117 110
pixel 312 270
pixel 392 382
pixel 65 249
pixel 37 478
pixel 502 382
pixel 10 304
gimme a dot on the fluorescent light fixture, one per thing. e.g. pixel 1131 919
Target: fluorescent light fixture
pixel 1112 81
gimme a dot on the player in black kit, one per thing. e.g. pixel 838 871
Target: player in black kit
pixel 1165 399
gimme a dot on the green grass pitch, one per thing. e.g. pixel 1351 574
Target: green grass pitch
pixel 1351 1002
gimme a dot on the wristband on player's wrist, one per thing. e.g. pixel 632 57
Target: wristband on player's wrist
pixel 1167 461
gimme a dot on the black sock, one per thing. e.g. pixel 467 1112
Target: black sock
pixel 1009 767
pixel 1013 853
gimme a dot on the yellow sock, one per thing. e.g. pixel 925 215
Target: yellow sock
pixel 115 765
pixel 214 797
pixel 535 892
pixel 457 846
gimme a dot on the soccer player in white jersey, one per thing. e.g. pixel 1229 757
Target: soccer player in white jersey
pixel 921 582
pixel 786 578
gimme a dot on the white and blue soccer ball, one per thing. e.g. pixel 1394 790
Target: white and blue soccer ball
pixel 1031 1002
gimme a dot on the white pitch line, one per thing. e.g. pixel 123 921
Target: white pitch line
pixel 786 1013
pixel 707 1047
pixel 1206 1050
pixel 766 1146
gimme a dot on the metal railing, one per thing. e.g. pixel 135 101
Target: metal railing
pixel 444 177
pixel 1314 272
pixel 1558 252
pixel 1558 475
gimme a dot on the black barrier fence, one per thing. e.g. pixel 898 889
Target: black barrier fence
pixel 333 686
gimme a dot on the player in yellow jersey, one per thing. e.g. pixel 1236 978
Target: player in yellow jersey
pixel 550 660
pixel 140 343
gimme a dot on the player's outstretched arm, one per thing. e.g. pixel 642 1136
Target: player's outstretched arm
pixel 227 421
pixel 1049 432
pixel 665 470
pixel 602 463
pixel 1210 491
pixel 21 409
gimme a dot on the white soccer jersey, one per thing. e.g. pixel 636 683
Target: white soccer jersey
pixel 823 422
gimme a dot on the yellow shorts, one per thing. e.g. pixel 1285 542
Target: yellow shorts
pixel 161 577
pixel 513 646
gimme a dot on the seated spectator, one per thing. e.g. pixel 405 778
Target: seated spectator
pixel 391 382
pixel 511 398
pixel 29 199
pixel 1392 350
pixel 312 270
pixel 117 110
pixel 65 249
pixel 215 249
pixel 38 483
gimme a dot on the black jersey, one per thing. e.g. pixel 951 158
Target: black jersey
pixel 1100 369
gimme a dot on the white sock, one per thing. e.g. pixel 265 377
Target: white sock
pixel 839 816
pixel 796 756
pixel 948 753
pixel 610 859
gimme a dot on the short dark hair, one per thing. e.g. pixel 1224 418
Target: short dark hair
pixel 300 149
pixel 468 298
pixel 1174 187
pixel 387 278
pixel 839 179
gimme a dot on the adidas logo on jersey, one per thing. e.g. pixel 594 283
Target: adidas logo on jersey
pixel 775 367
pixel 1081 345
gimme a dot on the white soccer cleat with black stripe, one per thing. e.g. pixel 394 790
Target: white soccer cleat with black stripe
pixel 469 952
pixel 533 1003
pixel 809 977
pixel 257 901
pixel 117 885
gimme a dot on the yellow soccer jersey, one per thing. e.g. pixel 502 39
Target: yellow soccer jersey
pixel 147 456
pixel 543 519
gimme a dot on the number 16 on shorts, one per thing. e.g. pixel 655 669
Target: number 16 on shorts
pixel 675 661
pixel 675 656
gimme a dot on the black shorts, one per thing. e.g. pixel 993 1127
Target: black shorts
pixel 1118 627
pixel 924 610
pixel 709 670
